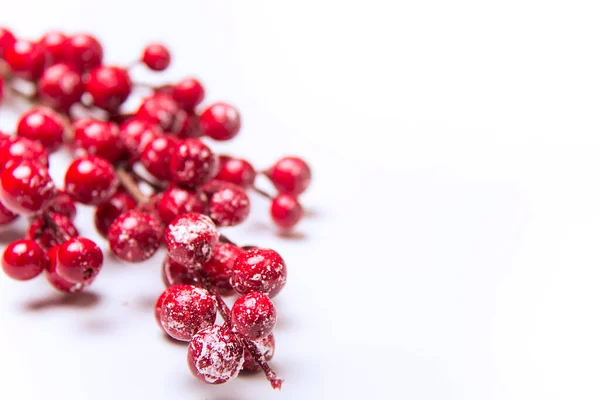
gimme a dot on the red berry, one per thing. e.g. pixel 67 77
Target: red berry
pixel 189 128
pixel 1 89
pixel 158 306
pixel 91 180
pixel 162 110
pixel 53 45
pixel 177 201
pixel 17 149
pixel 79 260
pixel 156 57
pixel 215 355
pixel 135 134
pixel 44 125
pixel 60 86
pixel 190 239
pixel 6 216
pixel 266 347
pixel 186 310
pixel 253 316
pixel 290 175
pixel 259 270
pixel 193 163
pixel 97 138
pixel 109 87
pixel 156 156
pixel 135 236
pixel 107 212
pixel 286 211
pixel 83 51
pixel 26 59
pixel 7 39
pixel 44 236
pixel 63 204
pixel 26 188
pixel 236 170
pixel 220 121
pixel 229 206
pixel 188 93
pixel 56 280
pixel 23 260
pixel 176 274
pixel 218 269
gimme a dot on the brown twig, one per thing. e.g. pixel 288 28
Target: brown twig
pixel 127 181
pixel 262 193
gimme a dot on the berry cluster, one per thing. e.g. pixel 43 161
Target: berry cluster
pixel 190 192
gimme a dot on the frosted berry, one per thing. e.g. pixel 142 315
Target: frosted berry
pixel 91 180
pixel 177 201
pixel 176 274
pixel 229 206
pixel 83 52
pixel 215 355
pixel 26 59
pixel 60 86
pixel 218 269
pixel 45 236
pixel 286 211
pixel 17 149
pixel 97 138
pixel 188 93
pixel 220 121
pixel 55 280
pixel 266 347
pixel 107 212
pixel 44 125
pixel 237 171
pixel 162 110
pixel 135 134
pixel 190 239
pixel 156 57
pixel 253 316
pixel 135 236
pixel 23 260
pixel 7 39
pixel 79 260
pixel 193 163
pixel 109 87
pixel 259 270
pixel 157 155
pixel 186 310
pixel 26 188
pixel 290 175
pixel 53 44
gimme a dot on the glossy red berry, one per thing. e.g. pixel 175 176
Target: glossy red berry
pixel 44 125
pixel 23 260
pixel 156 57
pixel 107 212
pixel 162 110
pixel 190 239
pixel 83 52
pixel 6 216
pixel 44 236
pixel 229 206
pixel 176 274
pixel 177 201
pixel 286 211
pixel 97 138
pixel 259 270
pixel 266 347
pixel 157 155
pixel 26 59
pixel 109 87
pixel 53 44
pixel 193 163
pixel 135 236
pixel 91 180
pixel 135 134
pixel 17 149
pixel 188 93
pixel 220 121
pixel 26 188
pixel 186 310
pixel 253 316
pixel 60 86
pixel 55 280
pixel 63 204
pixel 236 170
pixel 79 260
pixel 290 175
pixel 219 268
pixel 7 39
pixel 215 355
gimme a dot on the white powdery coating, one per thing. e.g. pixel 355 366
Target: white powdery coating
pixel 195 232
pixel 220 360
pixel 182 314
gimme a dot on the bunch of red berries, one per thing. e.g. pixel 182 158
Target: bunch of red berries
pixel 189 192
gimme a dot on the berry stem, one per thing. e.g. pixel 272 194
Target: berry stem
pixel 248 344
pixel 154 185
pixel 262 193
pixel 127 181
pixel 58 233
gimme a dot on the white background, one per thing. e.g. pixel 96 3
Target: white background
pixel 452 247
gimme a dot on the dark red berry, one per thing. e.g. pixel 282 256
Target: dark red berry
pixel 135 236
pixel 56 280
pixel 286 211
pixel 107 212
pixel 23 260
pixel 229 206
pixel 189 128
pixel 53 44
pixel 290 175
pixel 91 180
pixel 97 138
pixel 236 170
pixel 219 268
pixel 44 125
pixel 192 163
pixel 7 39
pixel 26 59
pixel 176 274
pixel 17 149
pixel 220 121
pixel 82 51
pixel 26 188
pixel 6 216
pixel 259 270
pixel 188 93
pixel 63 204
pixel 109 87
pixel 266 347
pixel 79 260
pixel 253 316
pixel 60 86
pixel 45 236
pixel 215 355
pixel 157 155
pixel 177 201
pixel 187 310
pixel 190 239
pixel 162 110
pixel 156 57
pixel 135 134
